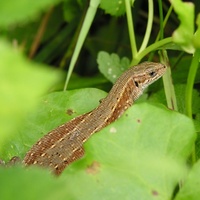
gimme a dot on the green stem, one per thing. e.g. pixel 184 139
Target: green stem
pixel 189 87
pixel 149 27
pixel 166 19
pixel 190 82
pixel 150 48
pixel 168 84
pixel 131 28
pixel 159 34
pixel 161 19
pixel 83 33
pixel 72 44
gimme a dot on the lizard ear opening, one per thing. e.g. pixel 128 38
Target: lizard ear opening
pixel 136 84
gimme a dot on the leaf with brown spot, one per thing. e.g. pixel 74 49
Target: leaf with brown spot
pixel 94 168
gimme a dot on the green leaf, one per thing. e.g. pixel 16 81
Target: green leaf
pixel 111 66
pixel 184 33
pixel 19 184
pixel 114 7
pixel 21 84
pixel 196 38
pixel 190 189
pixel 180 90
pixel 197 143
pixel 22 11
pixel 138 157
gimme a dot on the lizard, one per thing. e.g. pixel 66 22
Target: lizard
pixel 64 145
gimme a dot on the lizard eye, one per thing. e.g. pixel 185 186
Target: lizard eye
pixel 153 73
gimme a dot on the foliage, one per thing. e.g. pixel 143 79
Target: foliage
pixel 143 154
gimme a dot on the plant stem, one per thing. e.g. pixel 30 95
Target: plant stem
pixel 83 33
pixel 131 28
pixel 40 33
pixel 188 93
pixel 149 27
pixel 168 84
pixel 190 82
pixel 161 19
pixel 150 48
pixel 163 26
pixel 72 44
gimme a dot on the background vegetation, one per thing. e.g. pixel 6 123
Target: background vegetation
pixel 57 56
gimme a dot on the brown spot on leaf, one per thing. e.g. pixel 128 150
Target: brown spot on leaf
pixel 94 168
pixel 138 120
pixel 154 192
pixel 70 112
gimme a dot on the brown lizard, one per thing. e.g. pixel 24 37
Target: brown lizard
pixel 63 145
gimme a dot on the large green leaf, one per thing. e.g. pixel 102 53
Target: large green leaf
pixel 137 157
pixel 183 35
pixel 140 156
pixel 21 84
pixel 196 38
pixel 22 10
pixel 19 184
pixel 190 189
